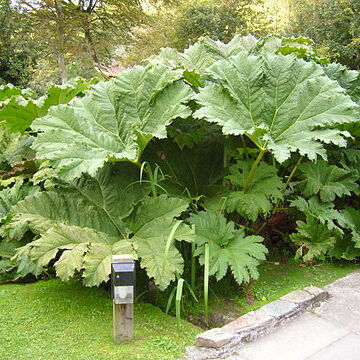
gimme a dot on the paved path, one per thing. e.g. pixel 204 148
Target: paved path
pixel 330 332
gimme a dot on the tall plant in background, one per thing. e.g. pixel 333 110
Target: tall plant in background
pixel 230 128
pixel 136 106
pixel 252 98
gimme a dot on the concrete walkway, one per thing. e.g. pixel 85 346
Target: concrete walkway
pixel 330 332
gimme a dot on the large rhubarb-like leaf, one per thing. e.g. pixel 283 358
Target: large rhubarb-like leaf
pixel 326 180
pixel 99 203
pixel 347 79
pixel 352 222
pixel 323 212
pixel 113 122
pixel 97 260
pixel 152 225
pixel 9 90
pixel 12 195
pixel 314 239
pixel 283 104
pixel 205 52
pixel 88 242
pixel 18 111
pixel 266 189
pixel 302 47
pixel 228 247
pixel 14 148
pixel 80 248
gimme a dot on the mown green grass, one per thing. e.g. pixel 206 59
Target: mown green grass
pixel 276 280
pixel 52 320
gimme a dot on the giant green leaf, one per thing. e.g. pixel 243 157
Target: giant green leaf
pixel 97 261
pixel 328 181
pixel 61 237
pixel 88 242
pixel 18 111
pixel 202 54
pixel 161 268
pixel 265 190
pixel 80 248
pixel 113 122
pixel 352 222
pixel 199 56
pixel 152 226
pixel 345 249
pixel 229 247
pixel 323 212
pixel 99 203
pixel 350 81
pixel 302 47
pixel 46 209
pixel 9 90
pixel 347 79
pixel 314 240
pixel 283 104
pixel 115 188
pixel 12 195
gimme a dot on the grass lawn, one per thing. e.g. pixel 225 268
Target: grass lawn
pixel 52 320
pixel 277 280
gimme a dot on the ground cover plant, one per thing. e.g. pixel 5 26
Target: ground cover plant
pixel 198 163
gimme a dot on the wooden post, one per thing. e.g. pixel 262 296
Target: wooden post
pixel 123 314
pixel 123 322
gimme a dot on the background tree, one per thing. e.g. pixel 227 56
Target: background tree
pixel 77 35
pixel 333 25
pixel 105 24
pixel 220 21
pixel 18 53
pixel 180 24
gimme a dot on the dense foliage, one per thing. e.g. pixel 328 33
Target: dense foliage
pixel 20 173
pixel 333 24
pixel 222 153
pixel 18 53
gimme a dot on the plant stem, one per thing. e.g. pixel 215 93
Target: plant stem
pixel 283 235
pixel 249 292
pixel 179 292
pixel 251 175
pixel 260 228
pixel 293 172
pixel 193 266
pixel 225 160
pixel 244 146
pixel 206 281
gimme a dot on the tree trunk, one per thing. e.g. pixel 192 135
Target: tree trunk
pixel 61 47
pixel 90 44
pixel 62 67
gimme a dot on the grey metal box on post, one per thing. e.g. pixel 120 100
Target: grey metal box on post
pixel 122 292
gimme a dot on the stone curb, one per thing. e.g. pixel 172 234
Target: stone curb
pixel 214 343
